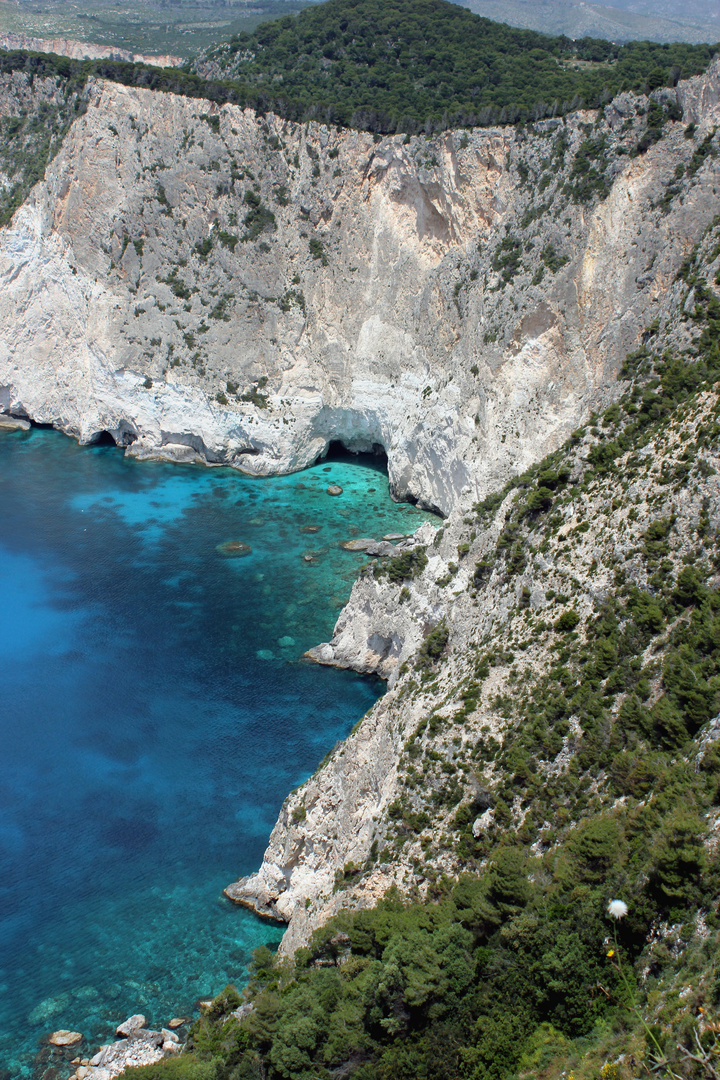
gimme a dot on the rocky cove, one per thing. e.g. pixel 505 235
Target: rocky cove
pixel 237 290
pixel 241 290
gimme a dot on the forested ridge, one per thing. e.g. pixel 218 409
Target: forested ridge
pixel 412 64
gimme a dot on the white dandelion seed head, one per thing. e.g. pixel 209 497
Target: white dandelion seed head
pixel 617 909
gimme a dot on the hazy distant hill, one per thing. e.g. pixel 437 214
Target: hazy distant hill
pixel 146 27
pixel 626 20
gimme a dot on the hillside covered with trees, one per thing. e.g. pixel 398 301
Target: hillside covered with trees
pixel 409 64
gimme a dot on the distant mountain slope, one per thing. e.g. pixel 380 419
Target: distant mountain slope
pixel 620 21
pixel 408 64
pixel 82 50
pixel 673 9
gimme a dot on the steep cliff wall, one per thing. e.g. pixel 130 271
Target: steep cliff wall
pixel 486 596
pixel 208 285
pixel 83 50
pixel 510 712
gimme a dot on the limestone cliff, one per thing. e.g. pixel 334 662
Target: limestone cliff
pixel 489 591
pixel 479 639
pixel 205 284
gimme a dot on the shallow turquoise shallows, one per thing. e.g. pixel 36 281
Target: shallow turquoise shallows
pixel 154 712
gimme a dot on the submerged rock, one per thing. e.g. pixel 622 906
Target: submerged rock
pixel 66 1038
pixel 49 1007
pixel 361 544
pixel 234 549
pixel 334 489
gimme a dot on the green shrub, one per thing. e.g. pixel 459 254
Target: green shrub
pixel 403 567
pixel 690 588
pixel 185 1067
pixel 317 250
pixel 587 181
pixel 552 260
pixel 433 646
pixel 508 258
pixel 539 501
pixel 212 121
pixel 567 621
pixel 203 247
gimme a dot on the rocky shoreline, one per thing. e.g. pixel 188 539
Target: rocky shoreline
pixel 136 1045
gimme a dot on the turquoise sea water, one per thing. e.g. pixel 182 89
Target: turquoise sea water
pixel 154 713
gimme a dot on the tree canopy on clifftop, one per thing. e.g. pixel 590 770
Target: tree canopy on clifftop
pixel 409 64
pixel 403 65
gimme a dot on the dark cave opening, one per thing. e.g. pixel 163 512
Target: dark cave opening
pixel 337 451
pixel 103 438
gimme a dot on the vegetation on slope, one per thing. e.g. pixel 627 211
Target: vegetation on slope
pixel 414 64
pixel 585 740
pixel 32 136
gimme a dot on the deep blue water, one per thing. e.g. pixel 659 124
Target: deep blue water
pixel 154 713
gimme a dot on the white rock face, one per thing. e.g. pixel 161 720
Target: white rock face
pixel 83 50
pixel 373 313
pixel 374 633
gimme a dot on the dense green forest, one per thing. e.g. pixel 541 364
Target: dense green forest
pixel 410 64
pixel 518 968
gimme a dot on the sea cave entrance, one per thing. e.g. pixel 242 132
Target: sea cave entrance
pixel 336 450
